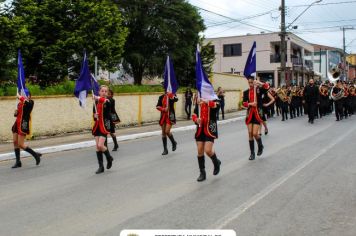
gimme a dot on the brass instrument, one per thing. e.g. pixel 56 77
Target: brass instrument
pixel 281 93
pixel 293 91
pixel 334 74
pixel 323 90
pixel 339 95
pixel 300 92
pixel 352 90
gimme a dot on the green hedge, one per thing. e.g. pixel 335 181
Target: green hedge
pixel 67 88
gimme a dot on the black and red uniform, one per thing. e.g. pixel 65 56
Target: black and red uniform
pixel 352 100
pixel 23 116
pixel 167 117
pixel 22 127
pixel 207 131
pixel 254 114
pixel 102 125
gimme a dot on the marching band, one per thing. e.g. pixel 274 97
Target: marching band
pixel 260 100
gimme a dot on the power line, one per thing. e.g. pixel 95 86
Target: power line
pixel 233 19
pixel 325 27
pixel 324 4
pixel 321 22
pixel 245 18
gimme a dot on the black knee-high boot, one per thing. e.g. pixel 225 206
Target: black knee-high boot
pixel 36 155
pixel 252 149
pixel 99 156
pixel 260 146
pixel 17 155
pixel 201 162
pixel 165 150
pixel 109 159
pixel 116 145
pixel 174 143
pixel 216 163
pixel 106 142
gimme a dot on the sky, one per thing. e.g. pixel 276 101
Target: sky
pixel 320 24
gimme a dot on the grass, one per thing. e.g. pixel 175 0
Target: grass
pixel 67 88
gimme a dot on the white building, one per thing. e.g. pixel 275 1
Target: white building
pixel 327 58
pixel 231 54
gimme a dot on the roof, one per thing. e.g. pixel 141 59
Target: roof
pixel 318 47
pixel 260 34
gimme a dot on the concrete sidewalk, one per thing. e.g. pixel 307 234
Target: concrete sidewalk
pixel 85 139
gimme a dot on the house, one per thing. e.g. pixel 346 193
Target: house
pixel 231 54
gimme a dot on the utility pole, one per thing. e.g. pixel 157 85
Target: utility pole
pixel 344 49
pixel 283 41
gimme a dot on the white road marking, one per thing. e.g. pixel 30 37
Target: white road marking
pixel 238 211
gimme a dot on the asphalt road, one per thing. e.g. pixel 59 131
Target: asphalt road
pixel 304 184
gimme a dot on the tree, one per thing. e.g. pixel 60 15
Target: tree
pixel 207 56
pixel 13 33
pixel 158 28
pixel 61 30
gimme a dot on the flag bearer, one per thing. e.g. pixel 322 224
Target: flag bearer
pixel 205 115
pixel 21 128
pixel 101 128
pixel 165 105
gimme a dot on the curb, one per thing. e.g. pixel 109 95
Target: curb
pixel 86 144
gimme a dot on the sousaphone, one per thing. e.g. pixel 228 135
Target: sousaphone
pixel 334 74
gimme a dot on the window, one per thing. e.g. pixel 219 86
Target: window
pixel 232 50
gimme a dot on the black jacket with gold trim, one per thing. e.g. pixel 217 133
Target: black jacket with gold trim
pixel 23 115
pixel 162 104
pixel 208 118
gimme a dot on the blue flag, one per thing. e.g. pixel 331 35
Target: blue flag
pixel 170 82
pixel 21 82
pixel 250 67
pixel 83 83
pixel 96 86
pixel 204 87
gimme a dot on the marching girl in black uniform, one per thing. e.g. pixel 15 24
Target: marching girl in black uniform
pixel 165 105
pixel 252 100
pixel 101 128
pixel 114 119
pixel 205 115
pixel 21 128
pixel 267 101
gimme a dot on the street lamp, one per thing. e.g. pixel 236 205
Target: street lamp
pixel 318 1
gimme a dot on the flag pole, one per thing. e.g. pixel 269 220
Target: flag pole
pixel 169 80
pixel 198 100
pixel 92 92
pixel 199 108
pixel 254 87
